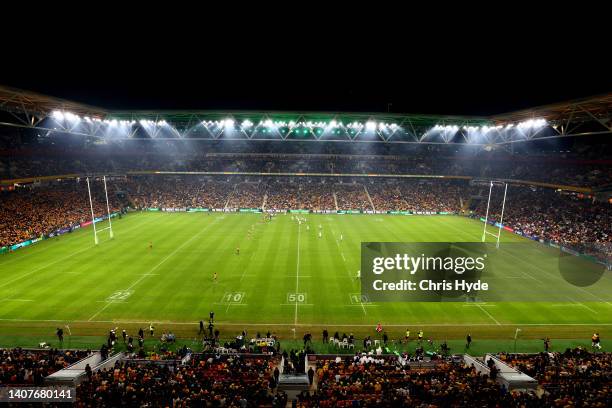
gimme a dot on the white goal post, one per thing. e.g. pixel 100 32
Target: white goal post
pixel 93 216
pixel 501 220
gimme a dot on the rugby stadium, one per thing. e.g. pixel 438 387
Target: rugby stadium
pixel 269 258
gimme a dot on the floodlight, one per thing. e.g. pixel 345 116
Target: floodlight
pixel 71 116
pixel 370 125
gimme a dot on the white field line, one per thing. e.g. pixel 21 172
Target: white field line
pixel 479 305
pixel 137 281
pixel 297 277
pixel 489 314
pixel 234 304
pixel 169 322
pixel 348 271
pixel 582 305
pixel 299 304
pixel 363 305
pixel 45 266
pixel 16 300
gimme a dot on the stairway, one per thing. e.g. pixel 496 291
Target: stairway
pixel 369 198
pixel 75 373
pixel 230 196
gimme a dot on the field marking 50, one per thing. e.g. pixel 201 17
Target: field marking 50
pixel 296 297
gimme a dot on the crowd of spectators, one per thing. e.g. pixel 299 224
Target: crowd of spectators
pixel 352 197
pixel 285 196
pixel 205 381
pixel 317 196
pixel 574 378
pixel 29 367
pixel 29 213
pixel 177 192
pixel 418 195
pixel 386 196
pixel 247 195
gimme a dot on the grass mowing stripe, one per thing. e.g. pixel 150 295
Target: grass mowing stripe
pixel 137 281
pixel 233 323
pixel 38 249
pixel 347 270
pixel 489 314
pixel 53 263
pixel 297 275
pixel 44 267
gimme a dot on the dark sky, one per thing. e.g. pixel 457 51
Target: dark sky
pixel 327 88
pixel 346 74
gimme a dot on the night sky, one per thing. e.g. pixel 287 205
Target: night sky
pixel 435 83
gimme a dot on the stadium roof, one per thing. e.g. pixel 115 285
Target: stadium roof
pixel 587 116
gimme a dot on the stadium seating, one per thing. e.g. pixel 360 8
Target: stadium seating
pixel 204 381
pixel 575 378
pixel 30 367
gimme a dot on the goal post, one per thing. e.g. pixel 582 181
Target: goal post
pixel 110 223
pixel 499 227
pixel 97 231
